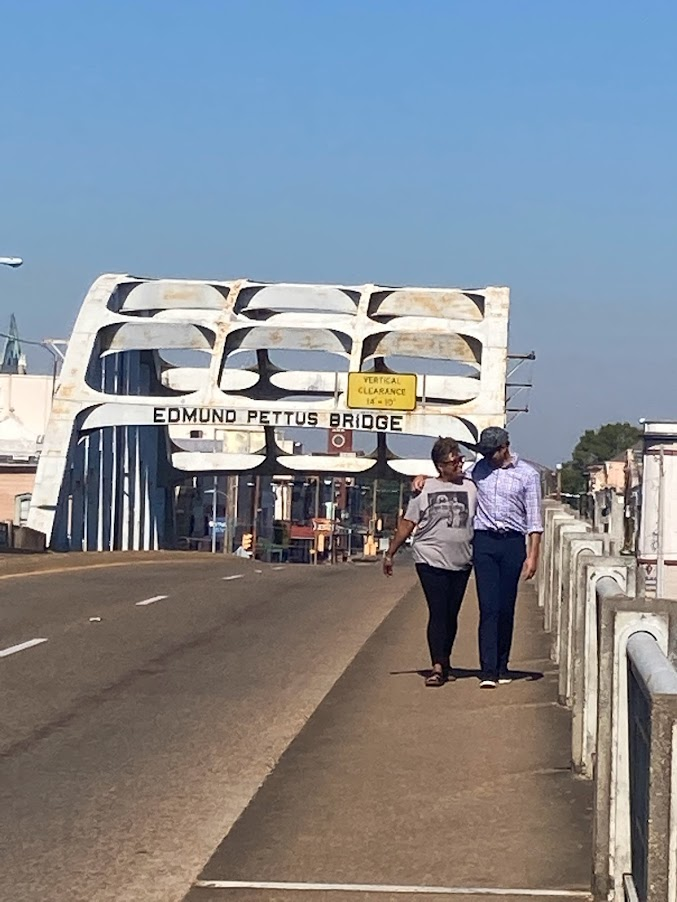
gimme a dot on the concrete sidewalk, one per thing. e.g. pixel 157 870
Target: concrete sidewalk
pixel 392 783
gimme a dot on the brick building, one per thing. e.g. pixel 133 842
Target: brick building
pixel 25 403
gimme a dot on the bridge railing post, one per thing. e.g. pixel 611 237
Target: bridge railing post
pixel 571 650
pixel 620 830
pixel 551 511
pixel 553 565
pixel 565 532
pixel 585 652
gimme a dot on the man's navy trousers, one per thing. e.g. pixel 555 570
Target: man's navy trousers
pixel 498 558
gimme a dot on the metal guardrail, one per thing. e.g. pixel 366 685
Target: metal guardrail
pixel 614 653
pixel 639 748
pixel 652 719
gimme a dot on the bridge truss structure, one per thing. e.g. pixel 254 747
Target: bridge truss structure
pixel 130 394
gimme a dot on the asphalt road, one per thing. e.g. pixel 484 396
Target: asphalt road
pixel 135 735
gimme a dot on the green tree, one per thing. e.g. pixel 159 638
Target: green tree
pixel 594 447
pixel 597 445
pixel 573 480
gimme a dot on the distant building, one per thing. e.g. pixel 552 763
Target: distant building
pixel 25 404
pixel 610 474
pixel 614 493
pixel 548 479
pixel 13 360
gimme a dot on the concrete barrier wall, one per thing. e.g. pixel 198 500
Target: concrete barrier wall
pixel 26 539
pixel 624 719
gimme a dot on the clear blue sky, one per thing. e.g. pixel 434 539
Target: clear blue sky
pixel 531 144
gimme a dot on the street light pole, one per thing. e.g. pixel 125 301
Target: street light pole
pixel 214 509
pixel 215 491
pixel 255 517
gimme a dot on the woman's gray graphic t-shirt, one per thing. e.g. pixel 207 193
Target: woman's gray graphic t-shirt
pixel 443 513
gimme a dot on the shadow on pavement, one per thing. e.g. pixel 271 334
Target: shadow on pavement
pixel 462 673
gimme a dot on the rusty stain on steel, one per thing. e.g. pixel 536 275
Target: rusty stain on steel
pixel 422 344
pixel 447 305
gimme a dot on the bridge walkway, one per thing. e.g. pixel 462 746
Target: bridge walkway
pixel 393 789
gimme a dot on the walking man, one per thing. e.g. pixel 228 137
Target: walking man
pixel 506 545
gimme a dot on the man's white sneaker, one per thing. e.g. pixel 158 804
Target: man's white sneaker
pixel 504 680
pixel 488 684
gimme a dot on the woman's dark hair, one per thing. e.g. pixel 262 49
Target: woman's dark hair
pixel 442 449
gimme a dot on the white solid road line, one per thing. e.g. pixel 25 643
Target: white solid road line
pixel 13 649
pixel 151 600
pixel 395 890
pixel 237 576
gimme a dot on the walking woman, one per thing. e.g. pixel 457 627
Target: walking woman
pixel 442 516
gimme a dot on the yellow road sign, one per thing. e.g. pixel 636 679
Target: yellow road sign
pixel 385 391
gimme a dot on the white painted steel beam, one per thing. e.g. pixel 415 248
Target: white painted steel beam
pixel 108 468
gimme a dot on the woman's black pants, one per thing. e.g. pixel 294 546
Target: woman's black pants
pixel 444 591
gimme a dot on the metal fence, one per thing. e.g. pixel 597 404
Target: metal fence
pixel 639 748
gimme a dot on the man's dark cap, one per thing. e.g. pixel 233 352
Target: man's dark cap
pixel 491 439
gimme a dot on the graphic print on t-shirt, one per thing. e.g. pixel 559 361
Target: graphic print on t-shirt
pixel 443 514
pixel 448 508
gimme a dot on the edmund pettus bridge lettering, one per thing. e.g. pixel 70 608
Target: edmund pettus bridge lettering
pixel 216 416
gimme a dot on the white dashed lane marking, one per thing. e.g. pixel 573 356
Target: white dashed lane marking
pixel 13 649
pixel 151 600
